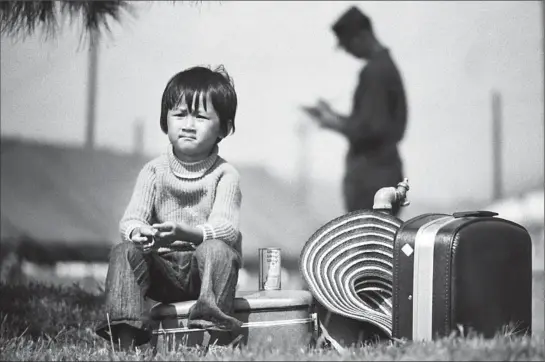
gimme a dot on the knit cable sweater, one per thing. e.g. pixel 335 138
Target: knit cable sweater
pixel 204 194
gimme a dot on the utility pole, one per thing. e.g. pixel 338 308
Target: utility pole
pixel 543 61
pixel 138 145
pixel 92 90
pixel 303 167
pixel 497 181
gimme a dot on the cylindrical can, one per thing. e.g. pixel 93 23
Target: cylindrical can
pixel 269 269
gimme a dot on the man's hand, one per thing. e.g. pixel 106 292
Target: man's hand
pixel 313 112
pixel 325 108
pixel 324 115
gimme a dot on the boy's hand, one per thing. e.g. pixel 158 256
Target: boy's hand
pixel 143 235
pixel 167 232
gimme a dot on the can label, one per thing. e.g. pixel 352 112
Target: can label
pixel 269 269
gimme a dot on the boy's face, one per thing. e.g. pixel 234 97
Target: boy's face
pixel 193 135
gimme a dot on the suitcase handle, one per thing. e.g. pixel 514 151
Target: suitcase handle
pixel 478 213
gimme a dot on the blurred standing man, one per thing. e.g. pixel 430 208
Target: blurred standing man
pixel 378 119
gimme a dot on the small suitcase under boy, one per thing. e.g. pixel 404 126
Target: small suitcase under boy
pixel 468 271
pixel 278 317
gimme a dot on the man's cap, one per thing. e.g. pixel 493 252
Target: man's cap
pixel 348 266
pixel 351 22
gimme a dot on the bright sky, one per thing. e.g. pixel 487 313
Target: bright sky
pixel 281 55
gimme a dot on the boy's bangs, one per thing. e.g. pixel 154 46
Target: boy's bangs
pixel 191 96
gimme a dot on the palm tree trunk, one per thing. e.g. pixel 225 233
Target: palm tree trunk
pixel 497 149
pixel 92 90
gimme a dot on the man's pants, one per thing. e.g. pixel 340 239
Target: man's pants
pixel 366 175
pixel 209 275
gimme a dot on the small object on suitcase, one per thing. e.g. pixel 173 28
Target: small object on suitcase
pixel 468 271
pixel 270 269
pixel 279 317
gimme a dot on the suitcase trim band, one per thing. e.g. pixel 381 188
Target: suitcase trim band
pixel 177 314
pixel 261 324
pixel 424 245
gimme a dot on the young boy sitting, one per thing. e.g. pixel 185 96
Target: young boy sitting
pixel 180 231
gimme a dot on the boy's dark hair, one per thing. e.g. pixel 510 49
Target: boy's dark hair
pixel 350 22
pixel 191 82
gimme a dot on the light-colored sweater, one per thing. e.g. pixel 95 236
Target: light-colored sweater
pixel 205 194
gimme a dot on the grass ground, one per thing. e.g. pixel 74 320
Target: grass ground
pixel 40 322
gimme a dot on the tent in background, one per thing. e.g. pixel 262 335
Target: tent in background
pixel 65 203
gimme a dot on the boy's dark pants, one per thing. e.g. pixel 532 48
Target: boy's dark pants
pixel 209 275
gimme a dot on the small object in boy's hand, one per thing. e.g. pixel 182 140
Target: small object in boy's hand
pixel 185 245
pixel 146 247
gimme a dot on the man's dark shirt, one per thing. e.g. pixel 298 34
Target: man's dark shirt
pixel 373 129
pixel 379 112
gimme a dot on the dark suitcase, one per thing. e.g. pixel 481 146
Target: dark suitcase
pixel 469 271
